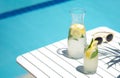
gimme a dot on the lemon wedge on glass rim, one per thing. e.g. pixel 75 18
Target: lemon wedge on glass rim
pixel 92 50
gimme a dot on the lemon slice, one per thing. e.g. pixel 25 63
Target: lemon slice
pixel 92 51
pixel 77 31
pixel 88 53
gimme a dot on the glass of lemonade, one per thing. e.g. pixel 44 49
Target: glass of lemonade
pixel 91 58
pixel 77 34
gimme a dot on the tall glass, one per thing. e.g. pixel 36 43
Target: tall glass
pixel 77 34
pixel 91 58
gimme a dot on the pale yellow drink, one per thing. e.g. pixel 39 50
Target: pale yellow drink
pixel 76 41
pixel 91 58
pixel 77 37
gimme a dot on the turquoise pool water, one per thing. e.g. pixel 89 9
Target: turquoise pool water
pixel 26 29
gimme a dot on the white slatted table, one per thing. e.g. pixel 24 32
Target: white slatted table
pixel 46 62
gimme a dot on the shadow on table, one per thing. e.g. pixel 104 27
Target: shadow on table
pixel 118 76
pixel 30 8
pixel 80 69
pixel 64 52
pixel 116 56
pixel 115 60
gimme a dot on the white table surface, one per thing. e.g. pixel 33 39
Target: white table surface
pixel 46 62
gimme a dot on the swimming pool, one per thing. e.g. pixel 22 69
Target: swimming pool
pixel 25 29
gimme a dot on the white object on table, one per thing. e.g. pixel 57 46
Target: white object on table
pixel 46 62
